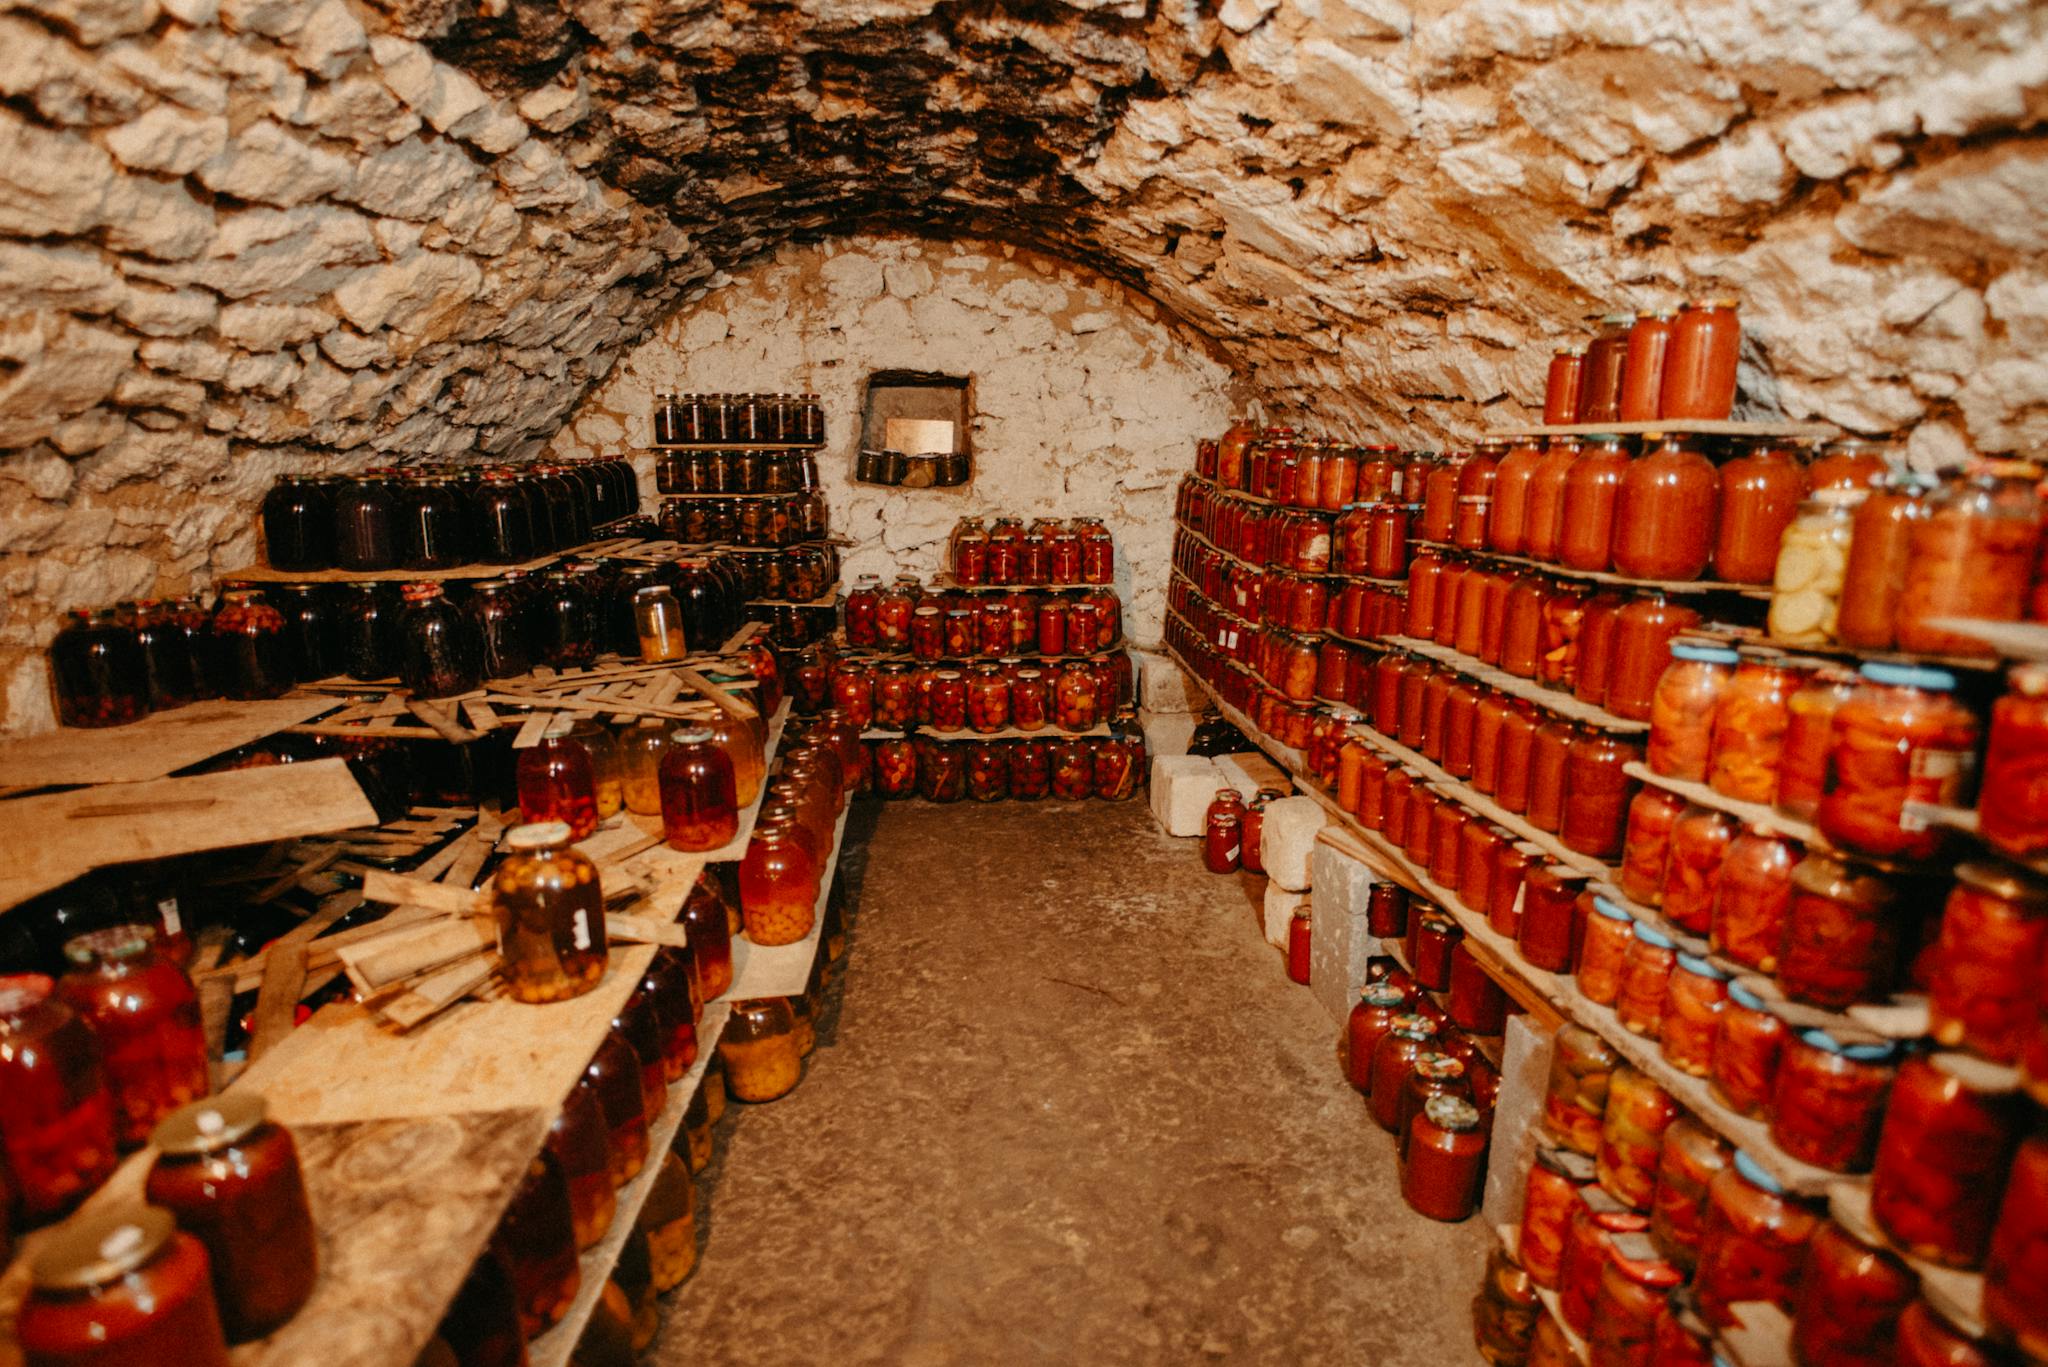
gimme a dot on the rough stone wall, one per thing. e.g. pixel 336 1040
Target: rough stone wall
pixel 1085 401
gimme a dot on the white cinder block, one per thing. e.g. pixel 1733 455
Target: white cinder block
pixel 1517 1118
pixel 1252 771
pixel 1183 786
pixel 1339 889
pixel 1163 686
pixel 1280 908
pixel 1287 838
pixel 1167 733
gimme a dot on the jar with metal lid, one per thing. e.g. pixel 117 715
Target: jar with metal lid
pixel 1851 1290
pixel 1430 953
pixel 231 1178
pixel 145 1017
pixel 1477 1004
pixel 1813 559
pixel 1666 508
pixel 759 1049
pixel 1646 977
pixel 1761 490
pixel 1522 626
pixel 439 651
pixel 1505 1311
pixel 1632 1302
pixel 56 1114
pixel 1699 364
pixel 1752 1243
pixel 1901 737
pixel 1575 1096
pixel 1512 864
pixel 779 883
pixel 1479 844
pixel 2015 1273
pixel 1550 1194
pixel 1445 1160
pixel 1971 556
pixel 1561 386
pixel 1440 497
pixel 1689 1157
pixel 2012 808
pixel 1749 1038
pixel 1985 966
pixel 1222 832
pixel 1600 376
pixel 1603 954
pixel 122 1286
pixel 1393 1058
pixel 1829 1098
pixel 1075 707
pixel 1474 507
pixel 1752 897
pixel 549 908
pixel 1631 1133
pixel 433 524
pixel 1951 1127
pixel 1379 1005
pixel 298 523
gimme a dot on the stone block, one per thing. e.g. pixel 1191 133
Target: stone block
pixel 1163 686
pixel 1340 888
pixel 1286 838
pixel 1166 733
pixel 1280 908
pixel 1517 1118
pixel 1182 788
pixel 1251 771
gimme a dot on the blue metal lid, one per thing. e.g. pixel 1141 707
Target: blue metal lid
pixel 1743 996
pixel 1693 963
pixel 1861 1053
pixel 1609 909
pixel 1650 935
pixel 1753 1173
pixel 1909 676
pixel 1720 655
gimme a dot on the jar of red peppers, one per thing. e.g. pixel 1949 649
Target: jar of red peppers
pixel 1748 1039
pixel 1645 979
pixel 1971 556
pixel 1752 898
pixel 1556 1179
pixel 1689 1159
pixel 1575 1097
pixel 1951 1127
pixel 1752 1243
pixel 1692 1004
pixel 1643 632
pixel 1842 934
pixel 1986 964
pixel 1445 1160
pixel 1632 1302
pixel 1927 1339
pixel 1851 1290
pixel 1682 709
pixel 1749 728
pixel 2016 1273
pixel 1692 875
pixel 1829 1098
pixel 2012 810
pixel 56 1115
pixel 1604 952
pixel 1902 736
pixel 1646 845
pixel 1588 1241
pixel 119 1287
pixel 1631 1134
pixel 1803 757
pixel 145 1016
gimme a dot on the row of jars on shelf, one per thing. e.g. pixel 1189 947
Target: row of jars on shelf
pixel 686 419
pixel 1288 722
pixel 1668 364
pixel 1049 551
pixel 1286 538
pixel 1071 769
pixel 905 617
pixel 430 519
pixel 773 520
pixel 1010 694
pixel 735 472
pixel 1280 465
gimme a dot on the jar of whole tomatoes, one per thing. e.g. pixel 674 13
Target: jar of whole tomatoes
pixel 123 1285
pixel 56 1115
pixel 1030 770
pixel 1842 934
pixel 1902 737
pixel 1752 898
pixel 1665 511
pixel 1689 1158
pixel 1750 720
pixel 1550 1194
pixel 1631 1135
pixel 2012 809
pixel 1761 490
pixel 1749 1037
pixel 1880 550
pixel 1971 556
pixel 1803 757
pixel 1829 1098
pixel 1601 790
pixel 1985 966
pixel 1692 876
pixel 1951 1127
pixel 1646 845
pixel 1813 559
pixel 1851 1290
pixel 144 1014
pixel 1575 1097
pixel 1682 708
pixel 1752 1242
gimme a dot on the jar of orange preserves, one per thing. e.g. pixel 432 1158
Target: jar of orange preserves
pixel 1972 556
pixel 1682 709
pixel 1643 632
pixel 1665 511
pixel 1810 715
pixel 1647 845
pixel 1752 898
pixel 2012 809
pixel 1591 489
pixel 1902 737
pixel 1749 728
pixel 1761 490
pixel 1880 549
pixel 1693 997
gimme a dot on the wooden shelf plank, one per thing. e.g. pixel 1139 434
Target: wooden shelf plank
pixel 1683 427
pixel 1602 577
pixel 264 574
pixel 736 445
pixel 1551 699
pixel 158 744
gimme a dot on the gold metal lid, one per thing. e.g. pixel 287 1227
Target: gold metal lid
pixel 538 835
pixel 209 1125
pixel 93 1250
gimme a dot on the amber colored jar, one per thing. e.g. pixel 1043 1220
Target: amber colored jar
pixel 1596 816
pixel 56 1116
pixel 1507 527
pixel 1689 1157
pixel 1699 367
pixel 1477 1004
pixel 145 1016
pixel 1425 574
pixel 1517 744
pixel 549 909
pixel 557 781
pixel 759 1048
pixel 232 1180
pixel 1550 1194
pixel 1561 386
pixel 1522 632
pixel 1545 939
pixel 1549 758
pixel 1575 1094
pixel 1752 897
pixel 1985 971
pixel 1880 550
pixel 1478 853
pixel 1666 510
pixel 1596 646
pixel 1902 736
pixel 1476 477
pixel 1642 649
pixel 1440 497
pixel 1850 463
pixel 1601 378
pixel 1971 556
pixel 1851 1290
pixel 1750 720
pixel 1592 488
pixel 1461 719
pixel 1445 1160
pixel 1642 375
pixel 537 1239
pixel 1761 491
pixel 580 1142
pixel 1951 1127
pixel 1544 526
pixel 1803 757
pixel 1752 1244
pixel 1449 593
pixel 707 919
pixel 122 1287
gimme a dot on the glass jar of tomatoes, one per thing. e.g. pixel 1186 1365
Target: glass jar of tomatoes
pixel 1445 1160
pixel 121 1286
pixel 1550 1194
pixel 1692 1004
pixel 1700 362
pixel 1851 1290
pixel 1692 875
pixel 1902 737
pixel 1665 511
pixel 1842 934
pixel 56 1115
pixel 1689 1158
pixel 1682 708
pixel 1880 551
pixel 1546 937
pixel 1761 490
pixel 1752 898
pixel 1829 1098
pixel 1645 978
pixel 1985 967
pixel 1803 757
pixel 1951 1127
pixel 1752 1242
pixel 1749 1037
pixel 1749 728
pixel 1971 556
pixel 1646 845
pixel 1631 1135
pixel 2016 1272
pixel 144 1014
pixel 1632 1302
pixel 1592 488
pixel 2012 808
pixel 1595 776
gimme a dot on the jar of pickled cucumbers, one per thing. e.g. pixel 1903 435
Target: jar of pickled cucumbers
pixel 550 914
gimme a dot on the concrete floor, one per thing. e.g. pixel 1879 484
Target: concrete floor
pixel 1065 1108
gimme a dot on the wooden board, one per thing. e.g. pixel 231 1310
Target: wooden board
pixel 264 574
pixel 475 1056
pixel 60 836
pixel 1695 427
pixel 157 745
pixel 1554 700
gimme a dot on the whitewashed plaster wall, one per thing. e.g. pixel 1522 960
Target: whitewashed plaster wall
pixel 1086 401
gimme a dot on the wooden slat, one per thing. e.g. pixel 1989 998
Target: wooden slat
pixel 158 744
pixel 277 1001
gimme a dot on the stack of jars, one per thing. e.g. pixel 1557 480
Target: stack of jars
pixel 1277 465
pixel 762 522
pixel 906 619
pixel 1673 364
pixel 693 419
pixel 1255 533
pixel 1008 554
pixel 1070 768
pixel 425 519
pixel 735 472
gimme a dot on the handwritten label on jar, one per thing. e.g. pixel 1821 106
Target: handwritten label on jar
pixel 167 909
pixel 581 933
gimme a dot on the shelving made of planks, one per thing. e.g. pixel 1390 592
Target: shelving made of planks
pixel 1683 427
pixel 1562 703
pixel 817 445
pixel 1677 586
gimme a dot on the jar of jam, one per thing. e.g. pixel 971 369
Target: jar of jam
pixel 699 804
pixel 1842 934
pixel 1813 560
pixel 121 1286
pixel 1445 1160
pixel 1430 950
pixel 1561 386
pixel 1393 1059
pixel 2016 1272
pixel 1223 832
pixel 1379 1005
pixel 1901 737
pixel 1596 817
pixel 549 910
pixel 1761 490
pixel 2012 809
pixel 1631 1136
pixel 1591 490
pixel 1546 939
pixel 1643 632
pixel 1829 1098
pixel 1753 1241
pixel 1632 1302
pixel 99 670
pixel 1985 966
pixel 143 1013
pixel 1951 1128
pixel 1971 556
pixel 1752 898
pixel 1575 1097
pixel 1646 844
pixel 1589 1240
pixel 1601 378
pixel 1880 547
pixel 1689 1159
pixel 1699 366
pixel 1803 757
pixel 1846 1310
pixel 250 646
pixel 1682 709
pixel 1749 729
pixel 557 781
pixel 1477 1004
pixel 232 1179
pixel 56 1115
pixel 1549 761
pixel 1665 512
pixel 1556 1179
pixel 1475 496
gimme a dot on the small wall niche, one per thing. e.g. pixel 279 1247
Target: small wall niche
pixel 915 427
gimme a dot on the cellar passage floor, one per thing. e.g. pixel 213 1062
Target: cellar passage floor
pixel 1065 1108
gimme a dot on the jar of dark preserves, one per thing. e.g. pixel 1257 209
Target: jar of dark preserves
pixel 536 1237
pixel 439 651
pixel 56 1115
pixel 499 622
pixel 1699 367
pixel 580 1142
pixel 1600 378
pixel 1592 487
pixel 146 1018
pixel 434 522
pixel 298 524
pixel 1445 1160
pixel 1393 1059
pixel 501 520
pixel 1666 508
pixel 563 619
pixel 1545 939
pixel 366 524
pixel 120 1288
pixel 1851 1290
pixel 101 675
pixel 232 1179
pixel 367 623
pixel 1951 1127
pixel 167 659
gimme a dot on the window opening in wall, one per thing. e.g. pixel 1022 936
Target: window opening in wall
pixel 914 430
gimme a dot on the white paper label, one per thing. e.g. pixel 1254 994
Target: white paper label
pixel 581 935
pixel 1234 851
pixel 168 910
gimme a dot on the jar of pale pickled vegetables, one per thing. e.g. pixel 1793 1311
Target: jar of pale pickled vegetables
pixel 1901 737
pixel 1806 589
pixel 1631 1136
pixel 1972 556
pixel 1682 709
pixel 2012 809
pixel 549 907
pixel 759 1048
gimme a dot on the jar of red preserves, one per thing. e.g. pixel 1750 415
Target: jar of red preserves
pixel 1544 526
pixel 1596 817
pixel 145 1016
pixel 1926 1339
pixel 2012 809
pixel 1430 952
pixel 1803 757
pixel 1440 497
pixel 2016 1272
pixel 1752 898
pixel 1829 1098
pixel 1223 832
pixel 1551 1193
pixel 1564 613
pixel 1522 628
pixel 232 1179
pixel 1880 550
pixel 1393 1058
pixel 1749 728
pixel 1642 649
pixel 1748 1039
pixel 118 1288
pixel 1477 1004
pixel 1689 1158
pixel 1591 489
pixel 56 1116
pixel 1692 875
pixel 1379 1005
pixel 1575 1097
pixel 1692 1005
pixel 1445 1160
pixel 1549 761
pixel 1561 386
pixel 1986 964
pixel 1752 1243
pixel 1517 746
pixel 1902 737
pixel 1645 978
pixel 1642 374
pixel 1699 367
pixel 1682 707
pixel 1589 1238
pixel 1665 511
pixel 1596 646
pixel 1842 934
pixel 1507 527
pixel 1545 939
pixel 1631 1304
pixel 1851 1290
pixel 1761 491
pixel 1646 845
pixel 1951 1127
pixel 1851 463
pixel 1971 556
pixel 1600 379
pixel 1631 1135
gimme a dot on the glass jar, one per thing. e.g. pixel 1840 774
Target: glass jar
pixel 1682 709
pixel 232 1179
pixel 1544 526
pixel 1477 1005
pixel 1596 817
pixel 1379 1005
pixel 563 622
pixel 1829 1098
pixel 1761 491
pixel 1813 559
pixel 1592 487
pixel 1223 832
pixel 1699 845
pixel 1752 1244
pixel 699 806
pixel 1575 1097
pixel 1845 1313
pixel 1474 509
pixel 778 886
pixel 1504 1312
pixel 1985 965
pixel 549 908
pixel 1551 1193
pixel 1699 366
pixel 1925 1339
pixel 1749 729
pixel 1752 897
pixel 1603 954
pixel 1631 1304
pixel 536 1237
pixel 251 647
pixel 1561 386
pixel 1601 376
pixel 1440 497
pixel 1643 632
pixel 143 1013
pixel 121 1286
pixel 1971 556
pixel 2016 1273
pixel 1511 866
pixel 1748 1040
pixel 1549 762
pixel 1430 950
pixel 1517 746
pixel 298 524
pixel 1803 757
pixel 1689 1158
pixel 439 651
pixel 1597 629
pixel 365 524
pixel 580 1143
pixel 1665 512
pixel 99 671
pixel 1631 1135
pixel 1880 549
pixel 557 781
pixel 710 924
pixel 1589 1241
pixel 759 1050
pixel 1393 1059
pixel 1951 1127
pixel 1842 934
pixel 1030 770
pixel 1645 981
pixel 1075 701
pixel 1902 736
pixel 1646 846
pixel 1545 938
pixel 1445 1160
pixel 2012 808
pixel 56 1115
pixel 1642 375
